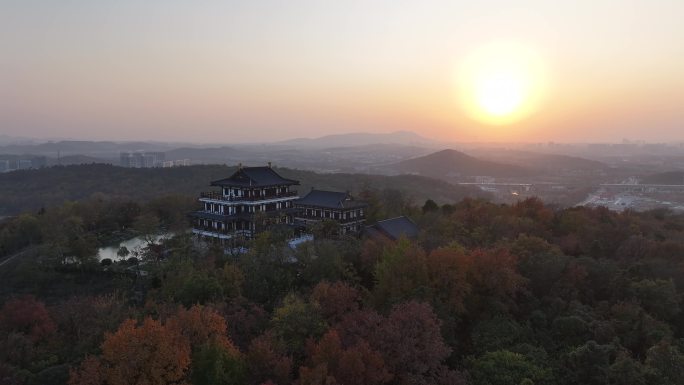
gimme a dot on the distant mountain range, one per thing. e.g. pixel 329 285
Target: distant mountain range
pixel 12 145
pixel 7 139
pixel 79 147
pixel 405 138
pixel 217 154
pixel 449 164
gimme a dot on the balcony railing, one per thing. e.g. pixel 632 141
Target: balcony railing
pixel 210 229
pixel 314 219
pixel 215 195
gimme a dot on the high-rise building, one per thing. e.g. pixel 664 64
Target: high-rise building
pixel 141 159
pixel 24 164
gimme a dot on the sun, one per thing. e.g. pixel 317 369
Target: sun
pixel 501 83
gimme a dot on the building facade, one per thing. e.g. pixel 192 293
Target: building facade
pixel 340 207
pixel 245 204
pixel 141 159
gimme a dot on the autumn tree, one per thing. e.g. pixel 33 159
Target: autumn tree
pixel 267 360
pixel 27 315
pixel 335 299
pixel 369 255
pixel 447 279
pixel 331 363
pixel 83 321
pixel 215 360
pixel 145 354
pixel 200 325
pixel 191 343
pixel 246 320
pixel 411 343
pixel 494 280
pixel 409 340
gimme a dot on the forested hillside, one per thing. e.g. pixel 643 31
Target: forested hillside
pixel 447 164
pixel 31 190
pixel 487 295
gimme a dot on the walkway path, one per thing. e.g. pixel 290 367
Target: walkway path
pixel 11 257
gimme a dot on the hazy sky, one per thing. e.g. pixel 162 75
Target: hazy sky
pixel 263 70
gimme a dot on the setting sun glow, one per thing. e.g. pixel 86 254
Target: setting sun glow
pixel 501 83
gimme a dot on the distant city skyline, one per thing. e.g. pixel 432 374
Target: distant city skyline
pixel 205 72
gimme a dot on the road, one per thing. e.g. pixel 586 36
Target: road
pixel 11 257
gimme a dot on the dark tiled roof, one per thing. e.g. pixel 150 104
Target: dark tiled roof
pixel 254 177
pixel 330 199
pixel 394 228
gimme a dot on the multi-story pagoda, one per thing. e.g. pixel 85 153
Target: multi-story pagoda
pixel 249 201
pixel 340 207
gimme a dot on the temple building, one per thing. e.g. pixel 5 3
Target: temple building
pixel 247 202
pixel 341 207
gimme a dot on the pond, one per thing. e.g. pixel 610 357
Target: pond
pixel 132 245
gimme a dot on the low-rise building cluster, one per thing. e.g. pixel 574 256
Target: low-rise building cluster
pixel 20 163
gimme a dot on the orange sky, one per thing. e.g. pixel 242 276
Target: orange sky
pixel 210 71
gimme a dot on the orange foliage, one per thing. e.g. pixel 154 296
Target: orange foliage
pixel 200 325
pixel 267 362
pixel 149 354
pixel 331 364
pixel 154 353
pixel 493 272
pixel 336 299
pixel 447 276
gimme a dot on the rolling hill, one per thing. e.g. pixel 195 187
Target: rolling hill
pixel 451 164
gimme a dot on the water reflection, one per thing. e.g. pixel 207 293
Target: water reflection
pixel 133 245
